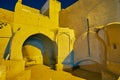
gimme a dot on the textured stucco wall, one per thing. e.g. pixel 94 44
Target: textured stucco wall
pixel 98 13
pixel 6 15
pixel 107 11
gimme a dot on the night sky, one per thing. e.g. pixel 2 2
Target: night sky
pixel 10 4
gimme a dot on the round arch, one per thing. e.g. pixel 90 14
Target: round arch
pixel 18 40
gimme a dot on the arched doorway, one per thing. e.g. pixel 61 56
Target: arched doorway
pixel 39 49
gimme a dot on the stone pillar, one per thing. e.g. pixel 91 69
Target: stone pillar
pixel 65 39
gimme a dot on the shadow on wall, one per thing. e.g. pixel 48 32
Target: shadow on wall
pixel 45 45
pixel 104 49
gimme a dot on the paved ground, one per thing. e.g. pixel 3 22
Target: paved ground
pixel 86 74
pixel 41 72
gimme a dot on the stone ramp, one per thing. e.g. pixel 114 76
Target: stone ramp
pixel 42 72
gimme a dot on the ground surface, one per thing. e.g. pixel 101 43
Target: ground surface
pixel 86 74
pixel 41 72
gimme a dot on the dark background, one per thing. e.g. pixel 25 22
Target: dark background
pixel 10 4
